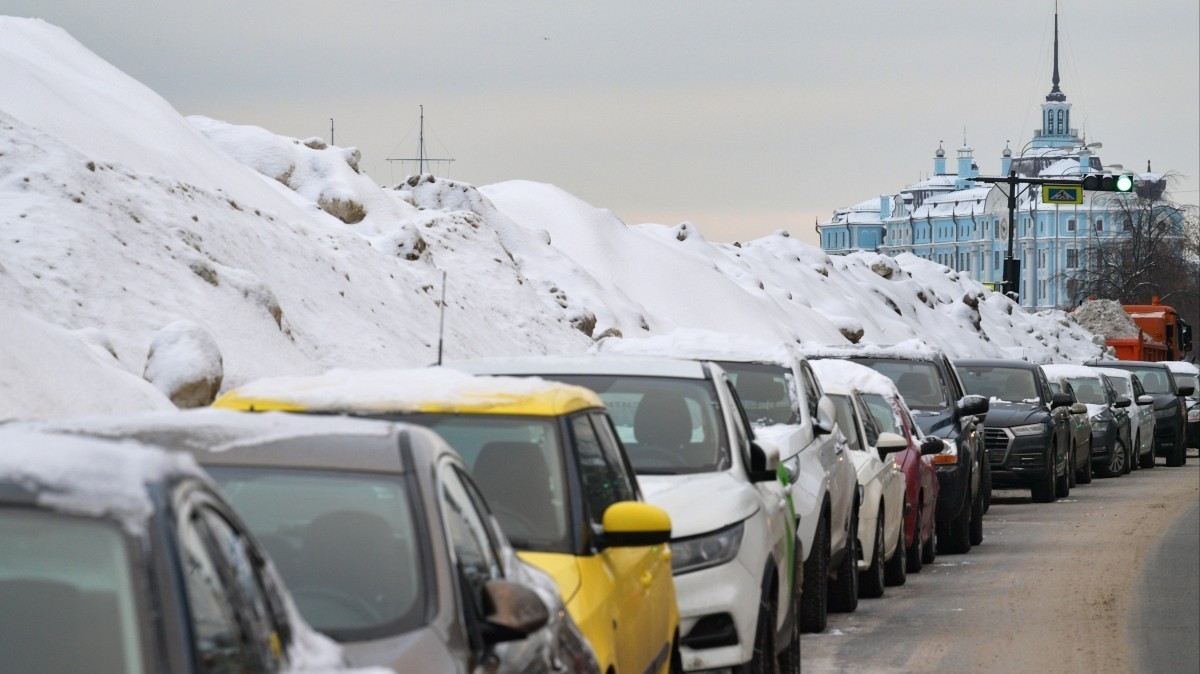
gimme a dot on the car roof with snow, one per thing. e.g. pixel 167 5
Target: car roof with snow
pixel 913 349
pixel 1058 371
pixel 430 390
pixel 1181 367
pixel 995 362
pixel 694 344
pixel 1114 372
pixel 642 366
pixel 224 437
pixel 861 377
pixel 87 476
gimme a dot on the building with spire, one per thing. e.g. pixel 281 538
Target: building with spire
pixel 956 221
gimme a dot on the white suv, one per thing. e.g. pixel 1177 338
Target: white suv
pixel 696 457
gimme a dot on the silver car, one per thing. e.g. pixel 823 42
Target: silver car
pixel 387 544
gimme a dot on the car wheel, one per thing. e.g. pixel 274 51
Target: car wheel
pixel 986 483
pixel 954 538
pixel 843 592
pixel 762 660
pixel 1084 475
pixel 1130 451
pixel 789 658
pixel 977 521
pixel 1135 454
pixel 1071 468
pixel 677 657
pixel 1043 490
pixel 1147 460
pixel 1116 461
pixel 1062 483
pixel 914 553
pixel 929 548
pixel 896 570
pixel 870 581
pixel 1178 455
pixel 813 606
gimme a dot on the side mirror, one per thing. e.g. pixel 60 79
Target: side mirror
pixel 1080 408
pixel 932 445
pixel 1145 399
pixel 634 524
pixel 972 405
pixel 513 611
pixel 889 443
pixel 1186 390
pixel 1122 401
pixel 1060 400
pixel 826 419
pixel 764 461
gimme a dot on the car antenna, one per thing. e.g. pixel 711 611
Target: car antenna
pixel 442 320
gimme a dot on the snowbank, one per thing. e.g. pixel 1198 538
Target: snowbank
pixel 1106 318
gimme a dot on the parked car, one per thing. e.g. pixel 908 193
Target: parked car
pixel 785 404
pixel 1141 415
pixel 1028 432
pixel 432 583
pixel 888 414
pixel 881 516
pixel 1170 409
pixel 1187 374
pixel 546 459
pixel 1081 429
pixel 697 457
pixel 1107 415
pixel 942 407
pixel 118 557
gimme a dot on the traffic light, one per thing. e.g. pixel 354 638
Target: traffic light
pixel 1109 183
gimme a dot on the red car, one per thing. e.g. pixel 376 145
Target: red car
pixel 890 414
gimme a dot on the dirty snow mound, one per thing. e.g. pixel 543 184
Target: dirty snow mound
pixel 1106 317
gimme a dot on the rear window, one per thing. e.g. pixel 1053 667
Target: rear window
pixel 1088 390
pixel 918 381
pixel 67 601
pixel 1155 381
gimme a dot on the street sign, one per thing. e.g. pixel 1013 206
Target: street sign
pixel 1063 195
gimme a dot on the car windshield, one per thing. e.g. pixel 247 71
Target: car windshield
pixel 669 426
pixel 1010 384
pixel 346 544
pixel 917 380
pixel 845 420
pixel 68 598
pixel 1121 385
pixel 765 392
pixel 1155 381
pixel 1088 390
pixel 883 413
pixel 517 463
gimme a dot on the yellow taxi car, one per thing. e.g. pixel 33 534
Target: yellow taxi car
pixel 550 466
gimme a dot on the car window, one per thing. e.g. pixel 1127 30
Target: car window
pixel 812 390
pixel 882 413
pixel 845 420
pixel 517 462
pixel 765 391
pixel 485 513
pixel 306 520
pixel 1009 384
pixel 611 445
pixel 1155 380
pixel 919 381
pixel 218 640
pixel 68 602
pixel 466 529
pixel 1138 391
pixel 668 425
pixel 868 421
pixel 603 474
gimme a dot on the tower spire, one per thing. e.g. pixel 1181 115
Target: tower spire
pixel 1055 94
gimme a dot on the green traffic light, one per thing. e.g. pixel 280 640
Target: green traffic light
pixel 1124 183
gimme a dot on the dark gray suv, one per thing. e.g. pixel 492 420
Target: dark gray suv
pixel 1170 406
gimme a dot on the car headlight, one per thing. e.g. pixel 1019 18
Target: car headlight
pixel 1165 413
pixel 1029 429
pixel 706 550
pixel 1194 414
pixel 949 455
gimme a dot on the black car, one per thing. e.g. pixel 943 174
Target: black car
pixel 933 391
pixel 1182 379
pixel 1081 429
pixel 1170 406
pixel 1028 431
pixel 1108 415
pixel 117 557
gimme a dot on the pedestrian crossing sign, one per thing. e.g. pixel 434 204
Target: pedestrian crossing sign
pixel 1062 194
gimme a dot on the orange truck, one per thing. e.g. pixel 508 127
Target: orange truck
pixel 1162 334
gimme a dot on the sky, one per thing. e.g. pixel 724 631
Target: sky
pixel 740 118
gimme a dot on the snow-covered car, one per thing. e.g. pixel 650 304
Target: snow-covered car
pixel 942 407
pixel 1028 428
pixel 1188 374
pixel 116 557
pixel 881 515
pixel 1141 415
pixel 1170 408
pixel 427 554
pixel 1107 416
pixel 696 456
pixel 546 459
pixel 886 413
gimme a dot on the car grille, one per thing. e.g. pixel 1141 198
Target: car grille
pixel 997 441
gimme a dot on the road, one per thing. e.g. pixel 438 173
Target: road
pixel 1054 587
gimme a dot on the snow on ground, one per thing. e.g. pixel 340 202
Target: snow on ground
pixel 120 217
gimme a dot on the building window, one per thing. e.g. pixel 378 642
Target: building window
pixel 1060 123
pixel 1128 224
pixel 1070 224
pixel 1099 224
pixel 995 259
pixel 1072 258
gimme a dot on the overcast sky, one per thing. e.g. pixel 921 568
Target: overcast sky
pixel 742 118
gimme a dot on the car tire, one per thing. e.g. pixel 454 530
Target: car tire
pixel 762 658
pixel 986 482
pixel 813 602
pixel 1147 460
pixel 1062 483
pixel 914 552
pixel 929 548
pixel 1135 454
pixel 870 580
pixel 1130 450
pixel 954 537
pixel 1116 462
pixel 1178 454
pixel 789 657
pixel 1084 475
pixel 1042 491
pixel 1071 459
pixel 895 571
pixel 843 592
pixel 977 511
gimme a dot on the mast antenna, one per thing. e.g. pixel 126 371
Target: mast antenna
pixel 421 158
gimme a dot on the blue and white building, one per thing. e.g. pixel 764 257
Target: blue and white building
pixel 951 219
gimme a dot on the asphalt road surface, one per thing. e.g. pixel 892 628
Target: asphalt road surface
pixel 1059 587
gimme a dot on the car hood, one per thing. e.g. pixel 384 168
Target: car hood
pixel 420 649
pixel 1096 410
pixel 702 502
pixel 1003 414
pixel 939 423
pixel 1164 401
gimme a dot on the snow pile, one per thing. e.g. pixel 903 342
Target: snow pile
pixel 1106 318
pixel 121 216
pixel 854 375
pixel 185 364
